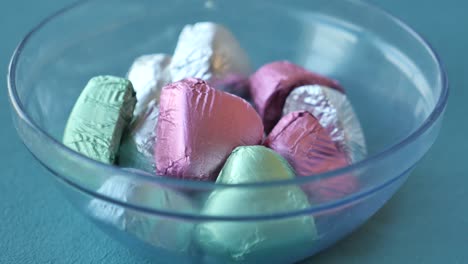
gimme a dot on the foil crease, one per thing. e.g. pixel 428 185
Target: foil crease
pixel 271 84
pixel 210 52
pixel 198 128
pixel 335 114
pixel 305 144
pixel 152 229
pixel 137 147
pixel 255 241
pixel 148 74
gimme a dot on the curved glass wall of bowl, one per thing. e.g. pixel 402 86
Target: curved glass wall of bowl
pixel 392 77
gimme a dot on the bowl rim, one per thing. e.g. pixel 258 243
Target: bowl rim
pixel 432 118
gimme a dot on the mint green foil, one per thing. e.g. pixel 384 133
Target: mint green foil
pixel 255 241
pixel 99 117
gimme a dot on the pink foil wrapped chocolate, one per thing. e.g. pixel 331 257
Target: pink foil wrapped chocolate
pixel 199 127
pixel 271 84
pixel 307 146
pixel 302 141
pixel 335 113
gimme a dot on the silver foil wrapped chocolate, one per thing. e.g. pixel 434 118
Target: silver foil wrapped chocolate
pixel 334 112
pixel 210 52
pixel 148 74
pixel 153 229
pixel 137 147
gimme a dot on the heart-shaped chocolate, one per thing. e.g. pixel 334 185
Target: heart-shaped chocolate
pixel 308 147
pixel 199 127
pixel 335 113
pixel 256 241
pixel 271 84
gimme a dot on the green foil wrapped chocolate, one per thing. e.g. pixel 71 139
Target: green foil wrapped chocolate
pixel 256 241
pixel 99 117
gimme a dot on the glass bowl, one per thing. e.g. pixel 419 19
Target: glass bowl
pixel 392 76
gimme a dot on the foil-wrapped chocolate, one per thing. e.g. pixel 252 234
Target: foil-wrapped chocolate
pixel 148 74
pixel 301 140
pixel 198 128
pixel 156 230
pixel 335 113
pixel 137 147
pixel 256 241
pixel 272 83
pixel 99 117
pixel 210 52
pixel 308 147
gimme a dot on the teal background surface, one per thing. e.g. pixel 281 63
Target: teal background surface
pixel 425 222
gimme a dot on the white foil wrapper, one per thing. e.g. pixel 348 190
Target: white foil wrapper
pixel 137 147
pixel 148 74
pixel 155 230
pixel 335 114
pixel 210 52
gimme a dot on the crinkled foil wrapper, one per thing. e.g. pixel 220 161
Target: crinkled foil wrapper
pixel 148 74
pixel 335 114
pixel 155 230
pixel 315 153
pixel 271 84
pixel 210 52
pixel 137 147
pixel 255 241
pixel 198 128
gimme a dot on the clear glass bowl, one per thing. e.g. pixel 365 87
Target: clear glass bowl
pixel 392 76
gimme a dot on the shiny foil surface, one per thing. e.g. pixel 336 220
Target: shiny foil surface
pixel 155 230
pixel 255 241
pixel 198 128
pixel 272 83
pixel 99 117
pixel 210 52
pixel 302 141
pixel 148 74
pixel 137 147
pixel 335 114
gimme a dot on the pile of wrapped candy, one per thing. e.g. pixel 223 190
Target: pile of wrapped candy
pixel 201 114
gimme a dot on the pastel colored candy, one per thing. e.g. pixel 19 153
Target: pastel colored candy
pixel 210 52
pixel 272 83
pixel 156 230
pixel 198 128
pixel 308 147
pixel 305 144
pixel 335 113
pixel 137 147
pixel 99 117
pixel 256 241
pixel 148 74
